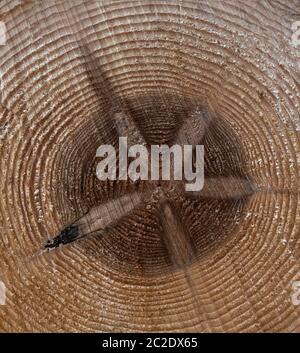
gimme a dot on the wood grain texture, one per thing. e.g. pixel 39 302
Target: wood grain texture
pixel 69 69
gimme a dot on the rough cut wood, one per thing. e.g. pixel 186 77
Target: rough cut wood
pixel 223 259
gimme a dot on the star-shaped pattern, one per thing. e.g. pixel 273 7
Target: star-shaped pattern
pixel 176 235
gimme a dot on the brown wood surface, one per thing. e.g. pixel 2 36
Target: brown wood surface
pixel 77 74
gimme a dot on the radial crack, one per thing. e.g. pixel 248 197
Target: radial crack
pixel 224 188
pixel 97 219
pixel 192 132
pixel 176 237
pixel 194 127
pixel 127 128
